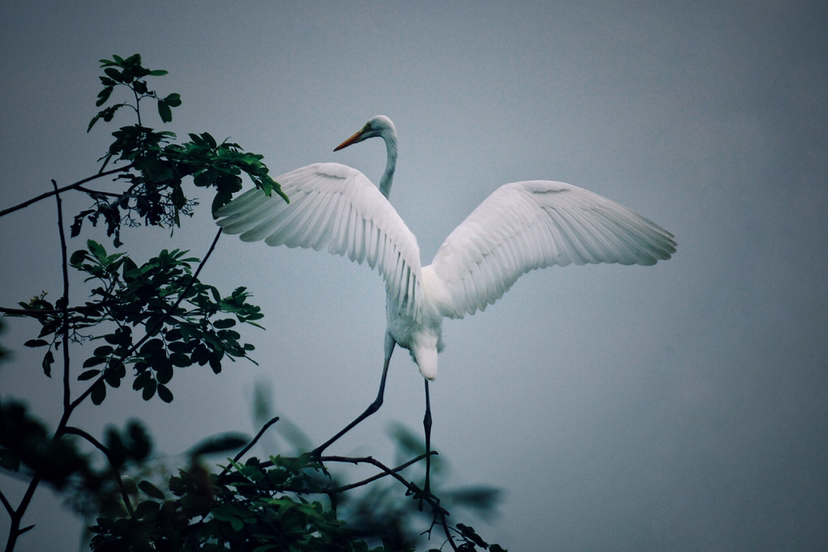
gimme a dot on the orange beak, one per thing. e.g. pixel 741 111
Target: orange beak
pixel 353 139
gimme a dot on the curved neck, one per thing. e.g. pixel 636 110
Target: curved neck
pixel 391 165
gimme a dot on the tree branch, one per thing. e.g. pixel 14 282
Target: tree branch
pixel 17 515
pixel 6 503
pixel 69 430
pixel 373 478
pixel 74 186
pixel 98 192
pixel 250 445
pixel 65 304
pixel 412 488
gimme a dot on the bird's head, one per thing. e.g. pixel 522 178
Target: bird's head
pixel 379 125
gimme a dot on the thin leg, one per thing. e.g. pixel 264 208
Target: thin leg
pixel 427 427
pixel 373 407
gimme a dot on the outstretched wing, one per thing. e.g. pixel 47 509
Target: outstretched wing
pixel 336 207
pixel 527 225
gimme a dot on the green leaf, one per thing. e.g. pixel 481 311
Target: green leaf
pixel 142 380
pixel 113 378
pixel 224 323
pixel 96 249
pixel 180 359
pixel 48 360
pixel 103 351
pixel 122 336
pixel 103 96
pixel 146 509
pixel 88 375
pixel 150 490
pixel 164 393
pixel 211 142
pixel 158 73
pixel 163 371
pixel 114 74
pixel 140 87
pixel 164 111
pixel 77 257
pixel 130 268
pixel 107 115
pixel 215 364
pixel 35 343
pixel 98 393
pixel 93 361
pixel 173 100
pixel 152 346
pixel 149 390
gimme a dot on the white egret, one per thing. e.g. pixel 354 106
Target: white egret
pixel 520 227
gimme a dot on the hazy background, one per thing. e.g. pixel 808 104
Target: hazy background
pixel 676 407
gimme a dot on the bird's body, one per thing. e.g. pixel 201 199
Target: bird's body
pixel 520 227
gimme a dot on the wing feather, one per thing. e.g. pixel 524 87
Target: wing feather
pixel 528 225
pixel 336 207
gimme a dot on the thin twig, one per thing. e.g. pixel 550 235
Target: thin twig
pixel 385 472
pixel 69 430
pixel 76 185
pixel 98 192
pixel 6 503
pixel 373 478
pixel 444 523
pixel 37 312
pixel 250 445
pixel 414 489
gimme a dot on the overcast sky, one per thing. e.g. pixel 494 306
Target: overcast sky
pixel 681 406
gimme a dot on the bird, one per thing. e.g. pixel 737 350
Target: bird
pixel 520 227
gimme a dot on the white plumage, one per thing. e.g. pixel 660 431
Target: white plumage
pixel 520 227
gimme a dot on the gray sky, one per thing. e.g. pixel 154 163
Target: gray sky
pixel 681 406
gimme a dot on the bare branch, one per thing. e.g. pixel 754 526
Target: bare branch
pixel 6 503
pixel 412 488
pixel 373 478
pixel 64 263
pixel 250 445
pixel 74 186
pixel 98 192
pixel 17 515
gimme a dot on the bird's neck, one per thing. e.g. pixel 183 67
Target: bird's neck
pixel 390 166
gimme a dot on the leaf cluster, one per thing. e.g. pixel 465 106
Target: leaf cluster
pixel 185 321
pixel 252 506
pixel 153 167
